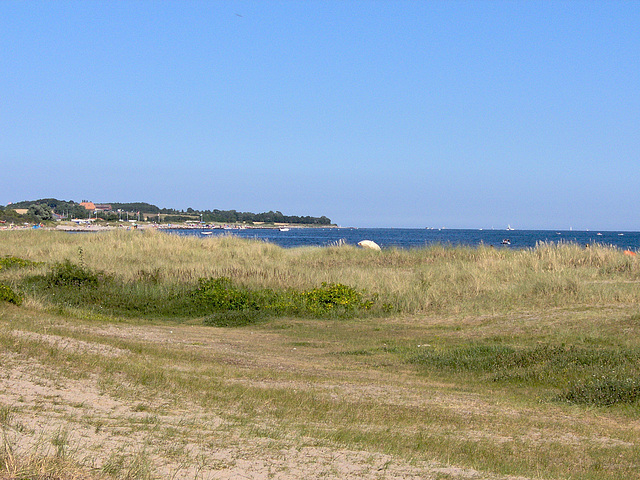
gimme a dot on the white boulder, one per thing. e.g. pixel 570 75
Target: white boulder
pixel 369 244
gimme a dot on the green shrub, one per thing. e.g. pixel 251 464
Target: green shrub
pixel 67 274
pixel 332 296
pixel 220 294
pixel 16 262
pixel 8 295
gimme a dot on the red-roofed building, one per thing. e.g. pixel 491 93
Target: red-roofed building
pixel 88 205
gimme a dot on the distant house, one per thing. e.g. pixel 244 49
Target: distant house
pixel 103 207
pixel 88 205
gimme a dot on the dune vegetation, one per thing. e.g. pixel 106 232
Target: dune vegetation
pixel 138 354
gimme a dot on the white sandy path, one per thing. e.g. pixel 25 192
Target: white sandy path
pixel 95 426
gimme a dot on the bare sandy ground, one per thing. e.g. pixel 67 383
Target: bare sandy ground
pixel 56 414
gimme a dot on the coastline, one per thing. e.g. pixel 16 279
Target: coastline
pixel 309 235
pixel 92 227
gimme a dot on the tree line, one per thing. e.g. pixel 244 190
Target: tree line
pixel 44 210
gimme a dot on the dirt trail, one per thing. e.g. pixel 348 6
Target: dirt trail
pixel 51 412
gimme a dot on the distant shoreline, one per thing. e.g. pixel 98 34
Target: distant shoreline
pixel 168 226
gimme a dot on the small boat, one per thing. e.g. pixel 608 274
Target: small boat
pixel 206 233
pixel 284 229
pixel 510 228
pixel 506 241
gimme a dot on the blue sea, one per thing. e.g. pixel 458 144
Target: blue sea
pixel 413 237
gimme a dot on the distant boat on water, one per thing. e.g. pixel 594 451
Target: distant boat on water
pixel 284 229
pixel 509 228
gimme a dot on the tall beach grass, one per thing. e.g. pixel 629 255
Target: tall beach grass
pixel 437 278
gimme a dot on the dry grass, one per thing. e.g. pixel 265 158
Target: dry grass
pixel 313 398
pixel 433 279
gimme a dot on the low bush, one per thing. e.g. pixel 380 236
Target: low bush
pixel 331 296
pixel 8 295
pixel 16 262
pixel 220 294
pixel 67 274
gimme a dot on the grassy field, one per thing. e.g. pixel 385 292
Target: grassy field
pixel 141 355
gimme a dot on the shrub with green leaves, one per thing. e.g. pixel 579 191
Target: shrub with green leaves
pixel 16 262
pixel 8 295
pixel 221 294
pixel 67 274
pixel 332 296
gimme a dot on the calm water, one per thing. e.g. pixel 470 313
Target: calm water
pixel 413 237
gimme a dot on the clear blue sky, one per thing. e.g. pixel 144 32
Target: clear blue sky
pixel 413 113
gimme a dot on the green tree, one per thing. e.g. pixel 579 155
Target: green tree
pixel 40 213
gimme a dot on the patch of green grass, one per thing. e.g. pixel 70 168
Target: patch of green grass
pixel 604 392
pixel 231 318
pixel 598 376
pixel 359 352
